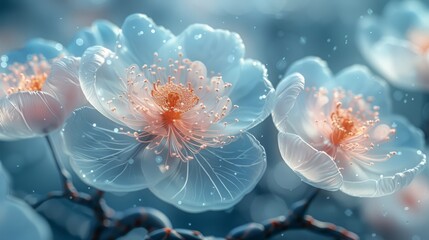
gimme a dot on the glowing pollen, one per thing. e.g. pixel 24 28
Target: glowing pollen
pixel 29 76
pixel 349 125
pixel 182 111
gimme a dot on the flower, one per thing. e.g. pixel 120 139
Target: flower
pixel 340 133
pixel 397 43
pixel 171 114
pixel 402 215
pixel 37 91
pixel 16 216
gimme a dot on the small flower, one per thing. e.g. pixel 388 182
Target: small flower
pixel 18 220
pixel 340 133
pixel 397 43
pixel 171 113
pixel 36 92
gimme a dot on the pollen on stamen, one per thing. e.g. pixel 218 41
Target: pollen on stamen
pixel 29 76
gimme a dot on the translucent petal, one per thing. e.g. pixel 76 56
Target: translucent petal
pixel 47 49
pixel 217 178
pixel 254 96
pixel 19 221
pixel 29 114
pixel 369 31
pixel 385 177
pixel 286 93
pixel 63 84
pixel 4 184
pixel 314 167
pixel 314 70
pixel 101 33
pixel 406 134
pixel 103 81
pixel 104 156
pixel 140 39
pixel 359 80
pixel 219 50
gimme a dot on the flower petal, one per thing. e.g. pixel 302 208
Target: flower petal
pixel 314 167
pixel 102 33
pixel 314 70
pixel 254 96
pixel 217 178
pixel 29 114
pixel 383 178
pixel 359 80
pixel 48 49
pixel 219 50
pixel 103 81
pixel 287 92
pixel 19 221
pixel 406 135
pixel 104 156
pixel 141 38
pixel 63 84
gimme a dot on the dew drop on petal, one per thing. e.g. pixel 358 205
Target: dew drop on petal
pixel 79 41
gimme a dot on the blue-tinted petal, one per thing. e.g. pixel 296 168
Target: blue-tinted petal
pixel 254 96
pixel 104 156
pixel 314 70
pixel 403 15
pixel 287 92
pixel 101 33
pixel 103 81
pixel 29 114
pixel 63 84
pixel 314 167
pixel 219 50
pixel 406 134
pixel 140 39
pixel 217 178
pixel 385 177
pixel 360 81
pixel 47 49
pixel 369 31
pixel 19 221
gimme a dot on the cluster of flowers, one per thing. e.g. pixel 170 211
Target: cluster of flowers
pixel 141 108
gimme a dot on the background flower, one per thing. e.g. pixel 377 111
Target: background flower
pixel 210 162
pixel 396 43
pixel 340 133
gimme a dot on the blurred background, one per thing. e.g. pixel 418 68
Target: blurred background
pixel 275 32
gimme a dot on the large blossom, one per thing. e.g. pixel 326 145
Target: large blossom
pixel 18 220
pixel 397 43
pixel 36 91
pixel 171 113
pixel 340 133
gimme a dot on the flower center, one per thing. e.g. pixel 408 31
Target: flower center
pixel 180 109
pixel 174 99
pixel 420 39
pixel 348 123
pixel 29 76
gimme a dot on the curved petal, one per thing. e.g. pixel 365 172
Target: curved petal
pixel 287 92
pixel 106 155
pixel 359 80
pixel 19 221
pixel 254 96
pixel 140 39
pixel 29 114
pixel 217 178
pixel 103 81
pixel 386 177
pixel 220 50
pixel 63 84
pixel 314 70
pixel 48 49
pixel 314 167
pixel 101 33
pixel 4 183
pixel 370 30
pixel 406 135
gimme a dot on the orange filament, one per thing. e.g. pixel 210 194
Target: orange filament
pixel 30 76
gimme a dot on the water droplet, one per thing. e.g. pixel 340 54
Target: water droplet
pixel 369 11
pixel 140 33
pixel 179 202
pixel 116 130
pixel 303 40
pixel 94 125
pixel 231 58
pixel 79 42
pixel 152 31
pixel 158 159
pixel 131 161
pixel 262 97
pixel 198 36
